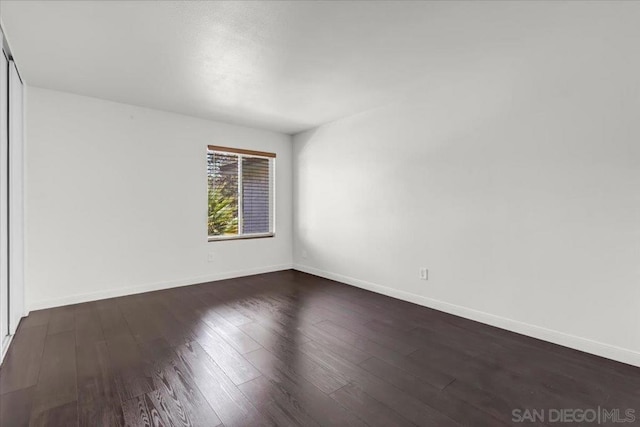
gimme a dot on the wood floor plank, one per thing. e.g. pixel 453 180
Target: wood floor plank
pixel 324 410
pixel 129 368
pixel 165 405
pixel 268 335
pixel 229 403
pixel 286 350
pixel 176 394
pixel 430 374
pixel 227 331
pixel 62 319
pixel 330 310
pixel 98 399
pixel 588 391
pixel 56 391
pixel 278 404
pixel 362 343
pixel 317 374
pixel 22 363
pixel 368 312
pixel 111 318
pixel 387 339
pixel 444 402
pixel 136 413
pixel 36 318
pixel 15 407
pixel 142 327
pixel 345 350
pixel 495 380
pixel 63 415
pixel 367 408
pixel 284 322
pixel 230 361
pixel 403 403
pixel 88 329
pixel 231 315
pixel 499 407
pixel 172 330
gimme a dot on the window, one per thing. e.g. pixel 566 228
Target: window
pixel 240 191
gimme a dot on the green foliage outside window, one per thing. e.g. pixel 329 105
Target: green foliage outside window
pixel 223 216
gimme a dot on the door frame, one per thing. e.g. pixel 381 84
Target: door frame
pixel 5 336
pixel 16 198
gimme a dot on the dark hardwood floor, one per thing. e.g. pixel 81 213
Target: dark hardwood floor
pixel 284 349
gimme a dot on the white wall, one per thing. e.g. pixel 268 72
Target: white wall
pixel 116 200
pixel 515 180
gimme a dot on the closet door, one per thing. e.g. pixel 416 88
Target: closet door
pixel 4 175
pixel 16 204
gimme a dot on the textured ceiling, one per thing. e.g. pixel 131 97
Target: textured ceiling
pixel 284 66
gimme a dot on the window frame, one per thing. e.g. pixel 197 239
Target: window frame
pixel 242 153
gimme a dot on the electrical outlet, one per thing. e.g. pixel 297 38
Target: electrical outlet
pixel 424 273
pixel 211 257
pixel 304 254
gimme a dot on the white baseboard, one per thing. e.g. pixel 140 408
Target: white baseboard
pixel 131 290
pixel 619 354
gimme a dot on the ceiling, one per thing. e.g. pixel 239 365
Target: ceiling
pixel 283 66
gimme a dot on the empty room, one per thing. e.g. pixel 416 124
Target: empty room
pixel 319 213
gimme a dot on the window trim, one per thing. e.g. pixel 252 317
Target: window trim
pixel 241 237
pixel 272 192
pixel 253 153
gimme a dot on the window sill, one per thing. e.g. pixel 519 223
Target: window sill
pixel 241 237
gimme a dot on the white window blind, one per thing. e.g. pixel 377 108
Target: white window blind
pixel 240 191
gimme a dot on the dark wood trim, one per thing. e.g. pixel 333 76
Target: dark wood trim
pixel 241 151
